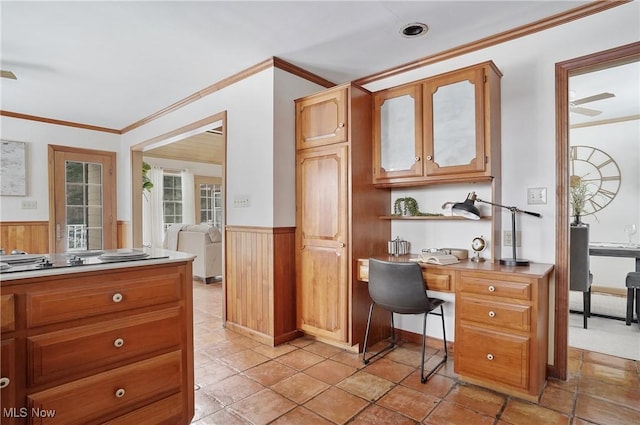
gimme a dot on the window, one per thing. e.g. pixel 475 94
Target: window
pixel 210 204
pixel 172 199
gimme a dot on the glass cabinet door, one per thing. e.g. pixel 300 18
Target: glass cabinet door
pixel 397 130
pixel 454 123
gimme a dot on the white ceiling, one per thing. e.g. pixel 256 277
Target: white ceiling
pixel 112 63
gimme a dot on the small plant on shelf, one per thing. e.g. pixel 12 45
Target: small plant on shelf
pixel 408 206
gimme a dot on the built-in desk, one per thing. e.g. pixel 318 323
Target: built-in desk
pixel 501 321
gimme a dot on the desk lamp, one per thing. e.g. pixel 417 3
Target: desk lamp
pixel 467 209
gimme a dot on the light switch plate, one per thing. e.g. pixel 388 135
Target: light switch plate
pixel 29 205
pixel 536 195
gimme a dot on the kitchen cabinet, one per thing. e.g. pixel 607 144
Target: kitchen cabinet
pixel 501 330
pixel 441 129
pixel 112 344
pixel 337 210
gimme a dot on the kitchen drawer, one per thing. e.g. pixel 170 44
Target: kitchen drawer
pixel 114 392
pixel 494 356
pixel 168 411
pixel 7 313
pixel 481 285
pixel 505 316
pixel 70 352
pixel 82 298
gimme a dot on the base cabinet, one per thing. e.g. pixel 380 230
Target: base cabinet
pixel 502 331
pixel 114 346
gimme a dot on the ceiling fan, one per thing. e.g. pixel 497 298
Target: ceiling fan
pixel 573 104
pixel 7 74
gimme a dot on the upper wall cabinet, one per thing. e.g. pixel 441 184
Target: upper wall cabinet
pixel 322 120
pixel 439 130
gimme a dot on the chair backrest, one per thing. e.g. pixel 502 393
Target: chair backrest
pixel 579 276
pixel 398 287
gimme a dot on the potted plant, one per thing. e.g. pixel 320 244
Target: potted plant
pixel 146 181
pixel 578 194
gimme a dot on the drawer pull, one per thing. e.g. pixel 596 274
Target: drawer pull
pixel 492 288
pixel 4 382
pixel 492 314
pixel 120 392
pixel 117 297
pixel 489 356
pixel 118 343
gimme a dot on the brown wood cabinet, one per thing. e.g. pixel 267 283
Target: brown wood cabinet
pixel 337 209
pixel 108 346
pixel 502 330
pixel 439 130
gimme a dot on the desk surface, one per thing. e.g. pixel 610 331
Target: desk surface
pixel 611 249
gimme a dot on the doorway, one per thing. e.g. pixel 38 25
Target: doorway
pixel 564 70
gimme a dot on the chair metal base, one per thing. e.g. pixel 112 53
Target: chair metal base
pixel 393 343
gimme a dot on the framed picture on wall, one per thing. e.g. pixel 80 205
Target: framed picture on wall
pixel 13 168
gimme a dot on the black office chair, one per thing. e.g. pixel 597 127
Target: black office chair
pixel 633 294
pixel 580 277
pixel 399 288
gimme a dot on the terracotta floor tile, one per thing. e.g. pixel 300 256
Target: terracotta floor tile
pixel 262 407
pixel 573 365
pixel 437 385
pixel 389 370
pixel 578 421
pixel 571 384
pixel 366 385
pixel 300 387
pixel 602 412
pixel 330 371
pixel 223 349
pixel 212 372
pixel 624 396
pixel 244 360
pixel 376 415
pixel 609 374
pixel 612 361
pixel 299 359
pixel 222 417
pixel 557 399
pixel 322 349
pixel 350 359
pixel 302 341
pixel 447 368
pixel 478 399
pixel 336 405
pixel 273 352
pixel 205 405
pixel 270 373
pixel 232 389
pixel 405 356
pixel 453 414
pixel 520 412
pixel 411 403
pixel 574 353
pixel 301 416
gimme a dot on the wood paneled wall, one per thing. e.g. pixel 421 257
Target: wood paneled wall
pixel 260 282
pixel 29 236
pixel 124 235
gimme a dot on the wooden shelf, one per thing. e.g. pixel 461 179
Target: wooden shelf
pixel 427 217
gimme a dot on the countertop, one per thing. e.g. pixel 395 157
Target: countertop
pixel 156 256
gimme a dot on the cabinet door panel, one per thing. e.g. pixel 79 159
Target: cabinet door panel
pixel 8 375
pixel 7 313
pixel 454 123
pixel 397 130
pixel 322 242
pixel 322 120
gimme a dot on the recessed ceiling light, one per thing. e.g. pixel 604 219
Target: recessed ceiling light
pixel 415 29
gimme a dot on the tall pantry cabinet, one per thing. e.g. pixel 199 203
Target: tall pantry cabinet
pixel 337 210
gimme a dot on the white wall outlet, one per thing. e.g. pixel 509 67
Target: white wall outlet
pixel 507 240
pixel 241 201
pixel 536 195
pixel 29 205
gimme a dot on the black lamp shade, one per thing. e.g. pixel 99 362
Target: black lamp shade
pixel 466 209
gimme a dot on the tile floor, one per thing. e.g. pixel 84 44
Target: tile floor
pixel 240 381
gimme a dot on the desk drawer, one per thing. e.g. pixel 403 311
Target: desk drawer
pixel 73 351
pixel 492 356
pixel 506 316
pixel 115 391
pixel 7 313
pixel 437 281
pixel 82 299
pixel 473 284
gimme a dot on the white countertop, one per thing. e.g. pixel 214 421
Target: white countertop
pixel 156 256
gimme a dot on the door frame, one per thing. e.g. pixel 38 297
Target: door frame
pixel 581 65
pixel 109 221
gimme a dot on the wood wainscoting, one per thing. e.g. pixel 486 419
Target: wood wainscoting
pixel 28 236
pixel 260 284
